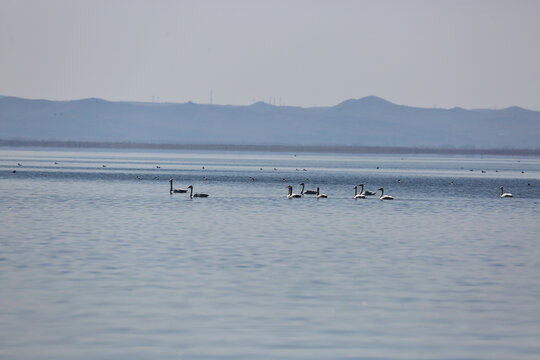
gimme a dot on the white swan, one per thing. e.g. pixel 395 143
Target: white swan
pixel 320 196
pixel 175 190
pixel 290 195
pixel 503 194
pixel 307 192
pixel 384 197
pixel 357 195
pixel 192 195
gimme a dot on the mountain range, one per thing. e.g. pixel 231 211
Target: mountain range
pixel 369 121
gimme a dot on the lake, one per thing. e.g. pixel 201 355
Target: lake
pixel 99 261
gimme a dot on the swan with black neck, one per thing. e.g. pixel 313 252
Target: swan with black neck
pixel 307 192
pixel 366 192
pixel 503 194
pixel 384 197
pixel 319 195
pixel 197 195
pixel 357 195
pixel 175 190
pixel 290 194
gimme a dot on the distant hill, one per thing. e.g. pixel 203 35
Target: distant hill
pixel 369 121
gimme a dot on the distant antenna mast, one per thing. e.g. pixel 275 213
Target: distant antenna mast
pixel 211 97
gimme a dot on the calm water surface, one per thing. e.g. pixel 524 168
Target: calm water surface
pixel 96 263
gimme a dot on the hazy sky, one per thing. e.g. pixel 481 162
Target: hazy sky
pixel 474 54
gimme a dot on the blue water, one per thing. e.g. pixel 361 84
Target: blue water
pixel 98 264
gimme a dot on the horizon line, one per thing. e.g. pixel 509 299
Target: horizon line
pixel 269 104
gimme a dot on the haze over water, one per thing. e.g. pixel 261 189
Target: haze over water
pixel 98 264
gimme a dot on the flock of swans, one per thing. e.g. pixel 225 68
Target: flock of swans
pixel 317 193
pixel 290 195
pixel 362 195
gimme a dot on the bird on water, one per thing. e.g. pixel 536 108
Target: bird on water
pixel 175 190
pixel 366 192
pixel 503 194
pixel 307 192
pixel 192 195
pixel 357 195
pixel 290 194
pixel 320 196
pixel 384 197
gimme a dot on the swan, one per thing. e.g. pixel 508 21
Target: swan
pixel 357 195
pixel 366 192
pixel 503 194
pixel 384 197
pixel 192 195
pixel 307 192
pixel 176 190
pixel 290 195
pixel 319 196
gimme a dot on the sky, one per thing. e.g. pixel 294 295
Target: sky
pixel 472 54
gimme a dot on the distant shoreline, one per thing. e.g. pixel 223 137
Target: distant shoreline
pixel 270 148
